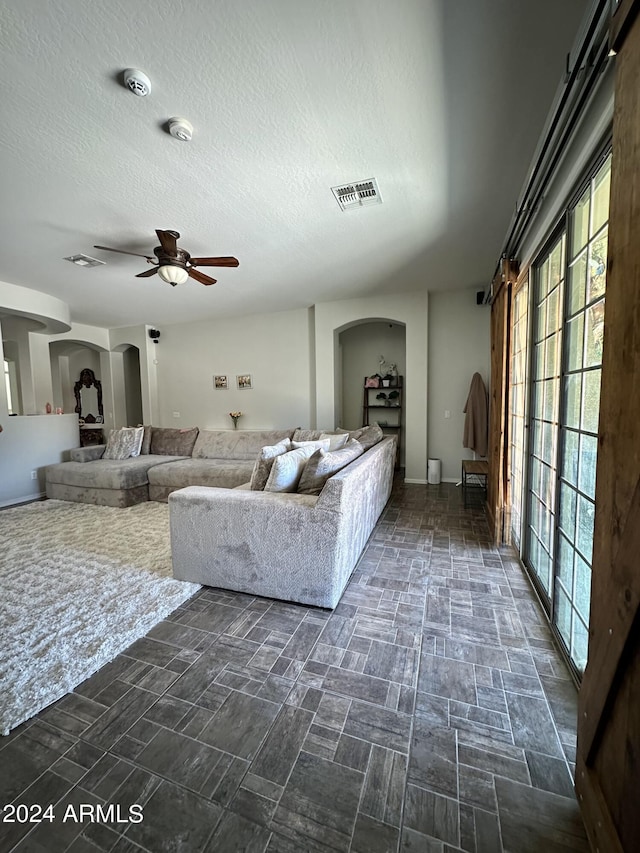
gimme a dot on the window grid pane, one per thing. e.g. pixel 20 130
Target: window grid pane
pixel 541 496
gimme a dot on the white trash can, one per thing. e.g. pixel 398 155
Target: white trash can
pixel 434 469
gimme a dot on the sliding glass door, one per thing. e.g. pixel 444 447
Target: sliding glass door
pixel 567 335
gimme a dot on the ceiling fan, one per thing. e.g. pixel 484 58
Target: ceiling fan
pixel 173 264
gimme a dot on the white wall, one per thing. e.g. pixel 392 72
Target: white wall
pixel 410 309
pixel 459 346
pixel 273 348
pixel 30 443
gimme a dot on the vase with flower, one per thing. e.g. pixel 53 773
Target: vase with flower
pixel 235 416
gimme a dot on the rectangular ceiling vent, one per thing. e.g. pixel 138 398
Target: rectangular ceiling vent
pixel 84 261
pixel 357 194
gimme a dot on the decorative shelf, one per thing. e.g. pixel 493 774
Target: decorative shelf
pixel 370 403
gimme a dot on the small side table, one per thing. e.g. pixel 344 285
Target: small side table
pixel 91 434
pixel 475 474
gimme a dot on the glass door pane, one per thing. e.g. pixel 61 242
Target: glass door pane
pixel 584 325
pixel 518 385
pixel 548 298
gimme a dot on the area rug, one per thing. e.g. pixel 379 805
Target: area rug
pixel 78 584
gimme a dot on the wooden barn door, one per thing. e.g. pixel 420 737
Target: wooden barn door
pixel 608 756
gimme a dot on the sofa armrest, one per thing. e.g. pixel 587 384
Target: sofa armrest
pixel 88 454
pixel 264 543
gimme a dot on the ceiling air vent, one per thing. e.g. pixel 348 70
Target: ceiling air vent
pixel 84 261
pixel 357 194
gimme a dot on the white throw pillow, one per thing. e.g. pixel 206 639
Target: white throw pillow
pixel 139 431
pixel 336 442
pixel 122 442
pixel 287 470
pixel 264 463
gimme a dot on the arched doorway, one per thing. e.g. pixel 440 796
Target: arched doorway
pixel 361 345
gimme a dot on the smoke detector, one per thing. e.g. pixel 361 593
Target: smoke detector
pixel 181 129
pixel 137 82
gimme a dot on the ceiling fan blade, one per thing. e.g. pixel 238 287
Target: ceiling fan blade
pixel 168 241
pixel 215 262
pixel 201 277
pixel 122 252
pixel 147 273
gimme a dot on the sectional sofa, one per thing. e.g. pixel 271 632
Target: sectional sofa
pixel 230 531
pixel 169 459
pixel 295 547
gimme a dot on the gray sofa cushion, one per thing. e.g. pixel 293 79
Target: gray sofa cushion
pixel 106 473
pixel 225 473
pixel 99 497
pixel 172 442
pixel 235 444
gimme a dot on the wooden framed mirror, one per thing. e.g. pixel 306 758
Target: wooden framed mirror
pixel 88 393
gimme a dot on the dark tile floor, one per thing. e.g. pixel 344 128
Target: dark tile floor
pixel 429 712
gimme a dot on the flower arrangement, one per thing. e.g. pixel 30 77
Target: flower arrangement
pixel 235 416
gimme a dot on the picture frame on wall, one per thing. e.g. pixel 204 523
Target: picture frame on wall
pixel 220 382
pixel 244 381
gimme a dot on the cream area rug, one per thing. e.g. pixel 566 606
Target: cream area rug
pixel 78 584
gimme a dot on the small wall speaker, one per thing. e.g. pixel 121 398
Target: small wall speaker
pixel 479 297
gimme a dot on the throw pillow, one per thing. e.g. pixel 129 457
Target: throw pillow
pixel 336 442
pixel 139 439
pixel 323 465
pixel 264 463
pixel 145 449
pixel 370 435
pixel 122 442
pixel 316 445
pixel 287 470
pixel 173 442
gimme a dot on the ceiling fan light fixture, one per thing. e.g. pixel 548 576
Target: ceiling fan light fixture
pixel 173 274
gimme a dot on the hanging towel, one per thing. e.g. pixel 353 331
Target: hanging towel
pixel 475 422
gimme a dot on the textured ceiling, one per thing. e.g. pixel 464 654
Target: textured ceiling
pixel 441 100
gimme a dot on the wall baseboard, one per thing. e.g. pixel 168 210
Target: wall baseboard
pixel 23 500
